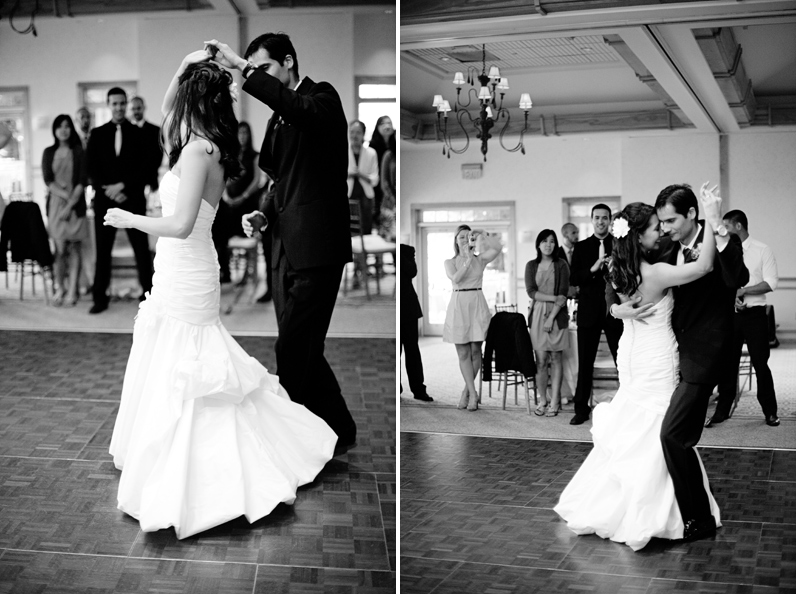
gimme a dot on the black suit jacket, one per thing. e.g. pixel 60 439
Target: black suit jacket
pixel 105 168
pixel 410 304
pixel 703 313
pixel 305 153
pixel 510 342
pixel 153 153
pixel 591 304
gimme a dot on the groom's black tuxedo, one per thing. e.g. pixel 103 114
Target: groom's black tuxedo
pixel 305 152
pixel 703 324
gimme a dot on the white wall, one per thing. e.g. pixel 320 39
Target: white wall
pixel 148 47
pixel 762 183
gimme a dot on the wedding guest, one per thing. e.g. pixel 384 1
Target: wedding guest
pixel 467 318
pixel 388 202
pixel 63 166
pixel 410 313
pixel 750 325
pixel 382 140
pixel 153 153
pixel 547 284
pixel 83 118
pixel 569 237
pixel 588 273
pixel 363 174
pixel 241 196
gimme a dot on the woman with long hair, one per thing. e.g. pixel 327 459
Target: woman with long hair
pixel 63 166
pixel 547 284
pixel 623 490
pixel 468 316
pixel 381 141
pixel 204 433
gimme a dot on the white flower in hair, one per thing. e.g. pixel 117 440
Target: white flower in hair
pixel 620 227
pixel 233 91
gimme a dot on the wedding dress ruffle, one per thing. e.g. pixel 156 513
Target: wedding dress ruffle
pixel 623 490
pixel 204 433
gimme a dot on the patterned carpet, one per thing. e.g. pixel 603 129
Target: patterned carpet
pixel 60 530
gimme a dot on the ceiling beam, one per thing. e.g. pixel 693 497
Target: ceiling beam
pixel 682 48
pixel 647 48
pixel 224 6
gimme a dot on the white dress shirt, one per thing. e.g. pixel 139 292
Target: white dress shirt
pixel 759 259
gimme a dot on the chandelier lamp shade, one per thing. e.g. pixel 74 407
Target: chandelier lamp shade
pixel 489 109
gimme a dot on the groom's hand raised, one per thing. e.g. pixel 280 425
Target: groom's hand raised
pixel 225 55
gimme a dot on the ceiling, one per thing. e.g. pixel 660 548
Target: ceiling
pixel 606 65
pixel 22 9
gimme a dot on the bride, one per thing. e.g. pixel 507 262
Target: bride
pixel 623 490
pixel 204 433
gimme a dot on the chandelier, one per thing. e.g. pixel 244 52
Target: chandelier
pixel 490 110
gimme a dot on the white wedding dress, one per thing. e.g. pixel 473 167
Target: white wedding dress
pixel 623 490
pixel 204 433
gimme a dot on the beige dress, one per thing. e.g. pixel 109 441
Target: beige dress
pixel 557 339
pixel 63 222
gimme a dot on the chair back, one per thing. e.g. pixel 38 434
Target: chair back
pixel 510 307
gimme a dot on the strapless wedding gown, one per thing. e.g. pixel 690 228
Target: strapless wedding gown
pixel 204 433
pixel 623 490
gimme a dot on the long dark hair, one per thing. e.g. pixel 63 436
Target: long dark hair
pixel 204 103
pixel 74 139
pixel 247 148
pixel 544 234
pixel 627 253
pixel 377 142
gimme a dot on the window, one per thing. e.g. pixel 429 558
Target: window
pixel 15 170
pixel 376 97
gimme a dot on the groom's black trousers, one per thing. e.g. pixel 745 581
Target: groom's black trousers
pixel 680 432
pixel 304 301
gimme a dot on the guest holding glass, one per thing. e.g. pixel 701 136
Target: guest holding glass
pixel 63 167
pixel 468 316
pixel 547 284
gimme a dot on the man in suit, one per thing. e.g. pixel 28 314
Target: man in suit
pixel 588 274
pixel 702 321
pixel 116 172
pixel 569 237
pixel 750 324
pixel 83 120
pixel 410 313
pixel 153 153
pixel 305 153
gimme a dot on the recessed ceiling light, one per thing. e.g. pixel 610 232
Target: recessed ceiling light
pixel 445 59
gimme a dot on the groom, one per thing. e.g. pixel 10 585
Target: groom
pixel 702 321
pixel 305 152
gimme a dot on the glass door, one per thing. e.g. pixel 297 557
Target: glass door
pixel 436 245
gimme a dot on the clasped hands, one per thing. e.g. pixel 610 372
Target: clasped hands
pixel 115 192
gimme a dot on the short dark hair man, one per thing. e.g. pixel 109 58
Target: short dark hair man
pixel 305 152
pixel 750 325
pixel 116 172
pixel 588 273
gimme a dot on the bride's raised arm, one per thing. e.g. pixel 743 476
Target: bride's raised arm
pixel 171 92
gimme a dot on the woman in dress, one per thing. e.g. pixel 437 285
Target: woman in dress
pixel 241 195
pixel 468 315
pixel 204 433
pixel 381 141
pixel 363 174
pixel 63 166
pixel 623 490
pixel 547 283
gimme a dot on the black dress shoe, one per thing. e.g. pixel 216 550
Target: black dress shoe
pixel 424 398
pixel 772 421
pixel 98 308
pixel 715 420
pixel 265 298
pixel 578 420
pixel 698 529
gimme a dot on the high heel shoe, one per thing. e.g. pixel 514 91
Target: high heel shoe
pixel 541 409
pixel 473 405
pixel 463 400
pixel 553 411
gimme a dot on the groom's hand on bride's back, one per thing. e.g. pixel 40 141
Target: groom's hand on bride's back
pixel 630 311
